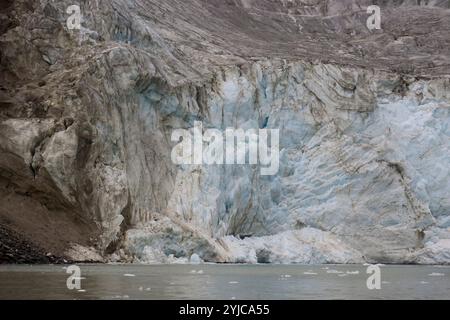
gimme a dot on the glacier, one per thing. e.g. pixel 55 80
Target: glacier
pixel 86 119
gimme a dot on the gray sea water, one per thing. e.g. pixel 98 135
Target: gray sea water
pixel 227 282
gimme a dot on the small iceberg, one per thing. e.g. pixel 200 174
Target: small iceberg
pixel 197 271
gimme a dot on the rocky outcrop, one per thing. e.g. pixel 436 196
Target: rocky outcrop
pixel 86 118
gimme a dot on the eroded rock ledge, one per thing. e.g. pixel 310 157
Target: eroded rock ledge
pixel 86 118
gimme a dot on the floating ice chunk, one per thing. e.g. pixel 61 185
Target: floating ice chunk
pixel 129 275
pixel 424 282
pixel 436 274
pixel 352 272
pixel 310 273
pixel 233 282
pixel 286 276
pixel 332 271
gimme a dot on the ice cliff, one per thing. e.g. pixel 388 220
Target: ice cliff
pixel 86 118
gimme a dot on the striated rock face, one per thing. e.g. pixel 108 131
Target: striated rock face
pixel 86 118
